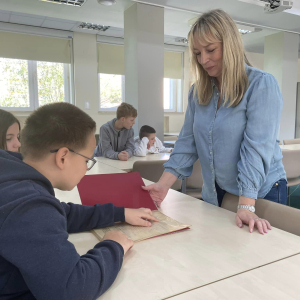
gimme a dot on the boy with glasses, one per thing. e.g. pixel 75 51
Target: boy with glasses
pixel 36 259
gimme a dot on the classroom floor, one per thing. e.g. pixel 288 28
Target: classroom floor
pixel 295 196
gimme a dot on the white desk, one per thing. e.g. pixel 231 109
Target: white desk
pixel 171 133
pixel 277 281
pixel 128 165
pixel 213 249
pixel 169 143
pixel 290 147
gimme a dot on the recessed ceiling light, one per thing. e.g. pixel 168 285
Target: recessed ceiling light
pixel 92 26
pixel 107 2
pixel 77 3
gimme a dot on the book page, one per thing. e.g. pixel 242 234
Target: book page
pixel 138 233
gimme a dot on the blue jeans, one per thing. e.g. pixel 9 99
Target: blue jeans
pixel 278 193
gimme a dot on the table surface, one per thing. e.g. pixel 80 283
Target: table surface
pixel 290 147
pixel 128 165
pixel 171 133
pixel 213 249
pixel 276 281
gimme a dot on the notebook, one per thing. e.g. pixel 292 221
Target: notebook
pixel 121 189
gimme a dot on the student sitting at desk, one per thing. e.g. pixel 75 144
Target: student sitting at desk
pixel 36 259
pixel 9 132
pixel 116 136
pixel 147 142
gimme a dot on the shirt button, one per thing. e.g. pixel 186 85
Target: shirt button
pixel 210 152
pixel 210 132
pixel 217 94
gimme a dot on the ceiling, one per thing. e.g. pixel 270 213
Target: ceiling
pixel 177 14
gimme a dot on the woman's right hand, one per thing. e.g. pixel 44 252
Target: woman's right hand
pixel 158 192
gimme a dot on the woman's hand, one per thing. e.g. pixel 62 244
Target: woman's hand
pixel 157 192
pixel 247 217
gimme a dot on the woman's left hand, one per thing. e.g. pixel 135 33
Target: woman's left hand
pixel 244 216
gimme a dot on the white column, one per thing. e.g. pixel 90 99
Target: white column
pixel 144 64
pixel 281 60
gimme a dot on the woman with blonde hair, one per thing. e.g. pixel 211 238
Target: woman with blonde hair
pixel 9 132
pixel 231 124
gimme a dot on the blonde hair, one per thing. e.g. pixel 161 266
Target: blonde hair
pixel 126 110
pixel 216 25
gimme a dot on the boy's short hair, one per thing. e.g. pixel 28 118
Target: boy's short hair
pixel 146 130
pixel 126 110
pixel 53 126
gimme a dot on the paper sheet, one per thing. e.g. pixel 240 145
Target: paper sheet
pixel 138 233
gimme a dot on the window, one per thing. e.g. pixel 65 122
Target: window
pixel 27 84
pixel 111 90
pixel 173 95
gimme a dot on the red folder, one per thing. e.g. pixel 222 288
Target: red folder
pixel 121 189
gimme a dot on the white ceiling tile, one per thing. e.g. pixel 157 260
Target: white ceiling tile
pixel 25 20
pixel 4 17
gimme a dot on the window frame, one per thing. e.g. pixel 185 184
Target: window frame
pixel 33 87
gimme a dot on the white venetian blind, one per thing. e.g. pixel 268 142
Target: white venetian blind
pixel 34 47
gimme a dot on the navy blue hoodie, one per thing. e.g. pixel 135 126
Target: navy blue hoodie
pixel 36 259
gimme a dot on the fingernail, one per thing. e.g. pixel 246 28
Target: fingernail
pixel 240 225
pixel 251 230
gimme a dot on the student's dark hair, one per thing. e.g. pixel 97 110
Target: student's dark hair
pixel 146 130
pixel 6 120
pixel 126 110
pixel 54 126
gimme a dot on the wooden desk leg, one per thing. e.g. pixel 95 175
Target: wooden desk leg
pixel 183 186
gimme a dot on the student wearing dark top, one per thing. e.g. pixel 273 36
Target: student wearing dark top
pixel 116 136
pixel 36 259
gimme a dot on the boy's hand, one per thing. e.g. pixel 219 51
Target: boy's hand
pixel 123 155
pixel 139 217
pixel 121 238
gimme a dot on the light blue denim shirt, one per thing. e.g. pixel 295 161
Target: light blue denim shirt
pixel 237 146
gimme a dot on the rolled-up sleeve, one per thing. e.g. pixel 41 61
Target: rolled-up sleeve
pixel 184 154
pixel 257 149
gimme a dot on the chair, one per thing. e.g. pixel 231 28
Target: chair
pixel 97 138
pixel 291 163
pixel 194 183
pixel 292 141
pixel 280 216
pixel 152 170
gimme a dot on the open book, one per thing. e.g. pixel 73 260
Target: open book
pixel 137 233
pixel 124 189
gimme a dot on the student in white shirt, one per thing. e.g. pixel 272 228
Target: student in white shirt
pixel 147 142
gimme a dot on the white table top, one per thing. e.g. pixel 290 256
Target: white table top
pixel 128 165
pixel 290 147
pixel 213 249
pixel 171 133
pixel 277 281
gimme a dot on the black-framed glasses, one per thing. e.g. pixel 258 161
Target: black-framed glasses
pixel 90 163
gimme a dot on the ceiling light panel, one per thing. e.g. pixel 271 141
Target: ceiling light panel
pixel 77 3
